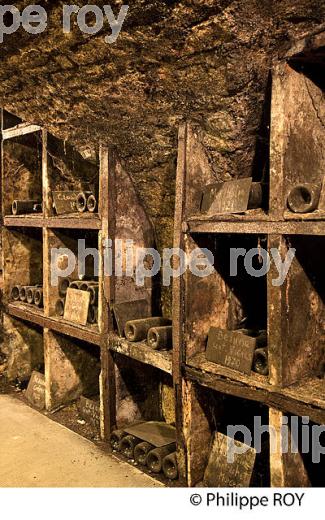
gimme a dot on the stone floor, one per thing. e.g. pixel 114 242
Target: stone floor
pixel 37 452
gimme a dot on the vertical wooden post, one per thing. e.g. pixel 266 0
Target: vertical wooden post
pixel 286 466
pixel 45 177
pixel 178 303
pixel 277 145
pixel 107 377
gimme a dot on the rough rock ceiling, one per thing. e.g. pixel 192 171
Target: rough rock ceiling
pixel 205 60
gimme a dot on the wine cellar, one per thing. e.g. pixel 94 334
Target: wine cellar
pixel 165 393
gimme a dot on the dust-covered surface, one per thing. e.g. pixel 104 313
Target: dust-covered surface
pixel 204 61
pixel 70 417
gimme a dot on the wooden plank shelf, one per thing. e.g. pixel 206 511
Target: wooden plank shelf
pixel 89 333
pixel 34 315
pixel 74 221
pixel 253 380
pixel 27 312
pixel 141 352
pixel 264 228
pixel 252 215
pixel 24 221
pixel 315 216
pixel 19 130
pixel 303 398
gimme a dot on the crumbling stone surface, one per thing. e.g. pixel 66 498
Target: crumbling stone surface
pixel 21 359
pixel 174 60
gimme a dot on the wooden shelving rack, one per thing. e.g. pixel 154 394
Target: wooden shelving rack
pixel 76 360
pixel 209 396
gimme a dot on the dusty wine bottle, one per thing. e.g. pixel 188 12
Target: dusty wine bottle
pixel 127 445
pixel 141 452
pixel 15 293
pixel 260 363
pixel 30 294
pixel 155 457
pixel 81 201
pixel 23 292
pixel 137 330
pixel 115 439
pixel 92 203
pixel 160 338
pixel 303 198
pixel 170 467
pixel 64 284
pixel 59 307
pixel 93 291
pixel 92 315
pixel 25 207
pixel 38 297
pixel 76 285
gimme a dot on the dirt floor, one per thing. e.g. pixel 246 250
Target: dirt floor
pixel 70 417
pixel 38 452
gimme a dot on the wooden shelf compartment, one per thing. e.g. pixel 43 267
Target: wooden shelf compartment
pixel 222 300
pixel 22 259
pixel 297 312
pixel 72 369
pixel 23 343
pixel 69 170
pixel 297 143
pixel 77 254
pixel 143 392
pixel 22 169
pixel 206 412
pixel 200 173
pixel 213 410
pixel 139 351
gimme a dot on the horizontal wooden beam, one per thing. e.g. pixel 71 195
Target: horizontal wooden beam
pixel 262 228
pixel 75 221
pixel 19 130
pixel 290 400
pixel 90 334
pixel 141 352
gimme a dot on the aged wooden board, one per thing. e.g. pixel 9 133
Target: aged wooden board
pixel 35 393
pixel 321 204
pixel 223 470
pixel 131 310
pixel 64 202
pixel 231 349
pixel 226 197
pixel 157 433
pixel 77 306
pixel 89 410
